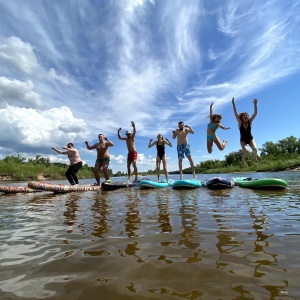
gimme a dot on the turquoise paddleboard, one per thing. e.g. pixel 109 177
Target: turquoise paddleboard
pixel 186 184
pixel 149 184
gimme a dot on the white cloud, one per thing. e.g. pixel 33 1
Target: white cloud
pixel 29 128
pixel 16 92
pixel 14 53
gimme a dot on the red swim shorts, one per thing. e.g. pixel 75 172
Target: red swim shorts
pixel 132 156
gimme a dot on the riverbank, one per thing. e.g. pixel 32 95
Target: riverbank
pixel 40 177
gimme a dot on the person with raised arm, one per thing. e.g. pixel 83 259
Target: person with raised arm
pixel 245 126
pixel 132 153
pixel 103 157
pixel 214 124
pixel 183 148
pixel 75 162
pixel 161 155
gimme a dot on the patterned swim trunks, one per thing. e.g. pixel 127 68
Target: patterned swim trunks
pixel 183 149
pixel 132 156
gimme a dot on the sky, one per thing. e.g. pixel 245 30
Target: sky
pixel 72 69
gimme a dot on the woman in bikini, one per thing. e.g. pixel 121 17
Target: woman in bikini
pixel 161 156
pixel 245 124
pixel 211 131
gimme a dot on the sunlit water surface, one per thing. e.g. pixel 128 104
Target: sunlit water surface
pixel 152 244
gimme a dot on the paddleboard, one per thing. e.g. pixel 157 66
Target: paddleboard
pixel 61 188
pixel 218 183
pixel 149 184
pixel 186 184
pixel 260 183
pixel 17 189
pixel 110 186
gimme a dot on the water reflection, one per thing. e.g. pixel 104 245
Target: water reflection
pixel 132 219
pixel 163 213
pixel 71 205
pixel 160 244
pixel 100 213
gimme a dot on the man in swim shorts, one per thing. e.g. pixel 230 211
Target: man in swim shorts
pixel 132 153
pixel 183 148
pixel 103 157
pixel 75 162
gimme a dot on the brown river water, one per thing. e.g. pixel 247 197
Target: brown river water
pixel 152 244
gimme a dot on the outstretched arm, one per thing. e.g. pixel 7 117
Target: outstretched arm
pixel 168 142
pixel 223 127
pixel 70 149
pixel 235 112
pixel 88 146
pixel 255 110
pixel 59 151
pixel 151 143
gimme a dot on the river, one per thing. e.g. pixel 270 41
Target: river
pixel 152 244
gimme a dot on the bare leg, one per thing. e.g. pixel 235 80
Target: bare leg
pixel 209 146
pixel 254 149
pixel 192 166
pixel 129 170
pixel 164 160
pixel 218 143
pixel 158 168
pixel 135 171
pixel 245 151
pixel 96 172
pixel 180 167
pixel 105 170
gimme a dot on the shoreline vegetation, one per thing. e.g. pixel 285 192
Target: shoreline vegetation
pixel 281 156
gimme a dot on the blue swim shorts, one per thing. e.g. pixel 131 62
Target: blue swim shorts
pixel 183 149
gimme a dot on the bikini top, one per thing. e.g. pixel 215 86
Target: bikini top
pixel 212 126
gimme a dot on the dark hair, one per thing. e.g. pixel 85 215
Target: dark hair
pixel 70 144
pixel 216 115
pixel 180 122
pixel 242 114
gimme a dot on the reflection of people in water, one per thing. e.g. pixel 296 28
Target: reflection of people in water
pixel 188 212
pixel 132 224
pixel 164 215
pixel 100 211
pixel 71 208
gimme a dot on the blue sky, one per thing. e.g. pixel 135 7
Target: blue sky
pixel 72 69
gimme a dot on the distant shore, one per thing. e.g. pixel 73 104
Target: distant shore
pixel 10 178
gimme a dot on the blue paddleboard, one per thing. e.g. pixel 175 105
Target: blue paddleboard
pixel 186 184
pixel 149 184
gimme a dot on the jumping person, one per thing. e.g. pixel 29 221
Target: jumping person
pixel 161 156
pixel 132 153
pixel 103 157
pixel 214 124
pixel 245 124
pixel 183 148
pixel 75 162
